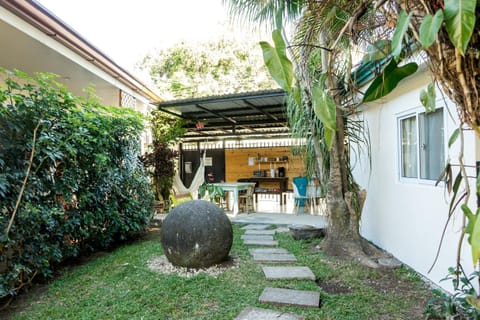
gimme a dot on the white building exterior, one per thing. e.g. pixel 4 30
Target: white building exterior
pixel 34 40
pixel 406 215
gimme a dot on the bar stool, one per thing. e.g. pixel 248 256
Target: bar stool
pixel 245 200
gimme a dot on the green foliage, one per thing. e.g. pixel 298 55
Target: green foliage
pixel 460 21
pixel 161 164
pixel 325 110
pixel 457 305
pixel 160 160
pixel 204 69
pixel 430 27
pixel 453 137
pixel 211 192
pixel 277 62
pixel 388 80
pixel 166 128
pixel 428 98
pixel 399 33
pixel 86 189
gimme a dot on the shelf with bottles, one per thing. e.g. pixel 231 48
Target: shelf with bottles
pixel 282 159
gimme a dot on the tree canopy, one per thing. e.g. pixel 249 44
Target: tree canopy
pixel 225 66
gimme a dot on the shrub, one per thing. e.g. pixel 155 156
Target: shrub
pixel 70 177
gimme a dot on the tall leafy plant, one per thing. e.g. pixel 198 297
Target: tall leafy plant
pixel 322 97
pixel 160 160
pixel 70 178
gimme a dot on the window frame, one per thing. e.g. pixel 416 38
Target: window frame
pixel 415 112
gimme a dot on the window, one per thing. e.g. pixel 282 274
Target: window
pixel 422 153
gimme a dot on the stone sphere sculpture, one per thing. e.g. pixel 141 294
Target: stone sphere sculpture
pixel 196 234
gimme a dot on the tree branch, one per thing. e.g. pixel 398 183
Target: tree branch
pixel 22 190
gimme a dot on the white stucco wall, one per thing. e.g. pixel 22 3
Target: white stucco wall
pixel 406 218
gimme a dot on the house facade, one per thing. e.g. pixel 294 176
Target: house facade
pixel 34 40
pixel 405 213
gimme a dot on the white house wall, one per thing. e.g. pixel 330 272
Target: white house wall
pixel 407 219
pixel 30 50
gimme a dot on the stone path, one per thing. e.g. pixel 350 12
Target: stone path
pixel 267 243
pixel 274 257
pixel 267 250
pixel 261 235
pixel 259 232
pixel 256 237
pixel 276 273
pixel 266 314
pixel 289 297
pixel 256 227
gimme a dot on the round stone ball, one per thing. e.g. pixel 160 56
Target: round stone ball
pixel 196 234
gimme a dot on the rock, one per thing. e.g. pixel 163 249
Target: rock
pixel 389 263
pixel 303 231
pixel 196 234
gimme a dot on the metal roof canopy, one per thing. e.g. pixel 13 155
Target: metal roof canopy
pixel 252 115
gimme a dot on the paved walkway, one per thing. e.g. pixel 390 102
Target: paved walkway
pixel 272 295
pixel 280 219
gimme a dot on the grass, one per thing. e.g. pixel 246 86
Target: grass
pixel 119 285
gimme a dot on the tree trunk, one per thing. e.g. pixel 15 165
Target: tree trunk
pixel 343 235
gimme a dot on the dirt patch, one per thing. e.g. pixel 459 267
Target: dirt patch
pixel 333 287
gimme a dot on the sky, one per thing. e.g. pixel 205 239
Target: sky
pixel 127 30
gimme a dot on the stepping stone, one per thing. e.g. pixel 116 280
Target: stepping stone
pixel 267 243
pixel 260 232
pixel 389 263
pixel 274 257
pixel 281 273
pixel 265 314
pixel 267 250
pixel 303 232
pixel 256 237
pixel 289 297
pixel 256 227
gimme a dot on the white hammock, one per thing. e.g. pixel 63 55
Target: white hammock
pixel 197 181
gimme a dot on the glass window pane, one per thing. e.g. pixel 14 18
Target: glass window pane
pixel 432 155
pixel 409 147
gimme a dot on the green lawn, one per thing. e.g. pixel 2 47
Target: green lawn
pixel 119 285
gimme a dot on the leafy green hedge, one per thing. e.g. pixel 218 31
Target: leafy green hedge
pixel 85 187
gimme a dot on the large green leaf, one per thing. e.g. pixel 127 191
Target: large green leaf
pixel 475 240
pixel 277 62
pixel 471 219
pixel 460 21
pixel 385 82
pixel 428 97
pixel 324 108
pixel 429 28
pixel 453 137
pixel 399 33
pixel 329 135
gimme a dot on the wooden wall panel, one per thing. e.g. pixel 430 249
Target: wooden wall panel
pixel 236 163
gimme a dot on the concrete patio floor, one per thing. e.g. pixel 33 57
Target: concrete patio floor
pixel 281 219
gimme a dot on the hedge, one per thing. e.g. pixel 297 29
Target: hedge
pixel 70 177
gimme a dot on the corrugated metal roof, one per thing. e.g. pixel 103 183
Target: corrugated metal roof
pixel 242 115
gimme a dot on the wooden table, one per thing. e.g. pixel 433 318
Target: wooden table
pixel 281 183
pixel 235 187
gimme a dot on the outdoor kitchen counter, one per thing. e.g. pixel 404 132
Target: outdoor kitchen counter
pixel 268 185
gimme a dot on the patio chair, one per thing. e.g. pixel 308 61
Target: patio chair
pixel 300 197
pixel 245 200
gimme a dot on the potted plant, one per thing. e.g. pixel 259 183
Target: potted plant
pixel 160 161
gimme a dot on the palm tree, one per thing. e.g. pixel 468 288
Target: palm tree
pixel 324 98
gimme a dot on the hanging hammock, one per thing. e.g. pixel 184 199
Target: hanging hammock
pixel 197 181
